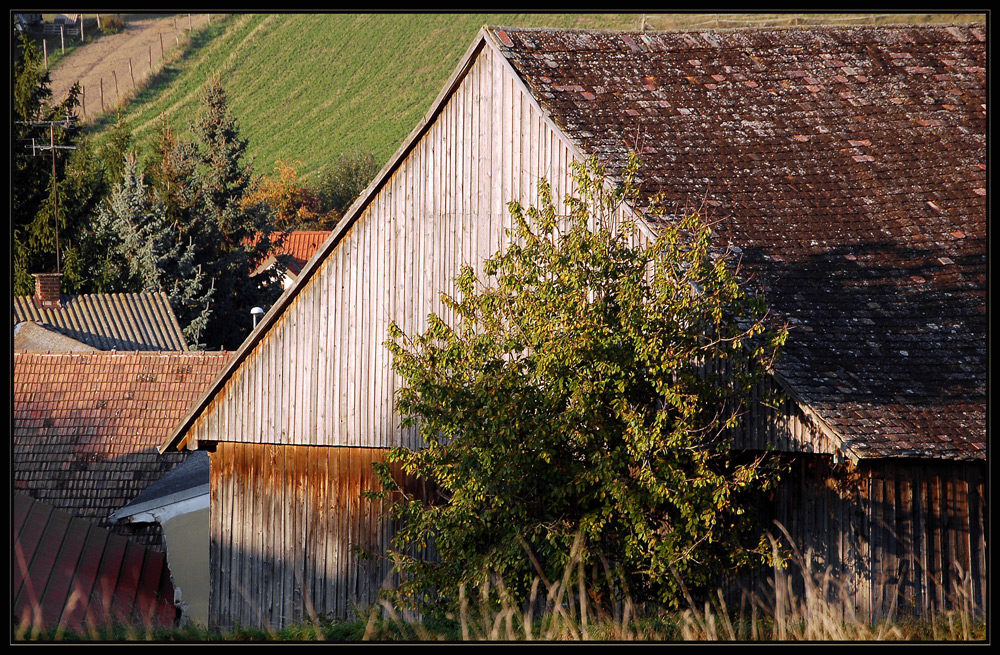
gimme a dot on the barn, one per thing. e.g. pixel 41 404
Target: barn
pixel 846 167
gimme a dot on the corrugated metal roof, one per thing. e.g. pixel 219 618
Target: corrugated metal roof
pixel 86 425
pixel 846 167
pixel 71 573
pixel 115 321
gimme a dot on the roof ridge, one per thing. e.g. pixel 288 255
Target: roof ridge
pixel 745 28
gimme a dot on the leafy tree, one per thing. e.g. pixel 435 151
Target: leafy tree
pixel 586 390
pixel 294 204
pixel 342 182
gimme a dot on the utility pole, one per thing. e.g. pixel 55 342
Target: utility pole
pixel 55 186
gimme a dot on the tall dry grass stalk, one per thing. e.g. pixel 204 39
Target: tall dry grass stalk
pixel 809 605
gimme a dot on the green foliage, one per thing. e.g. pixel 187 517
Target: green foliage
pixel 340 183
pixel 113 24
pixel 33 219
pixel 144 250
pixel 233 230
pixel 584 394
pixel 198 232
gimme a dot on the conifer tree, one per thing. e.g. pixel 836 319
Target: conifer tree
pixel 235 229
pixel 145 251
pixel 32 212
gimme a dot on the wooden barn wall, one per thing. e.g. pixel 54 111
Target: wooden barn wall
pixel 322 375
pixel 778 422
pixel 905 536
pixel 286 525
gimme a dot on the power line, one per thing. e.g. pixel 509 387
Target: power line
pixel 55 191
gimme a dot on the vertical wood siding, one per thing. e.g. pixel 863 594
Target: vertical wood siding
pixel 286 526
pixel 322 375
pixel 780 424
pixel 903 536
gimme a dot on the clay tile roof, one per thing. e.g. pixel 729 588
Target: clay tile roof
pixel 846 167
pixel 301 245
pixel 86 425
pixel 115 321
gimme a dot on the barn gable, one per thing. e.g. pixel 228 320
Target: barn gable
pixel 440 203
pixel 845 168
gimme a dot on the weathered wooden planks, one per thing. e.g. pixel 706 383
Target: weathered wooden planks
pixel 903 536
pixel 321 375
pixel 285 538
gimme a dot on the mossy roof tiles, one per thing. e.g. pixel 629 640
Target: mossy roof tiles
pixel 846 166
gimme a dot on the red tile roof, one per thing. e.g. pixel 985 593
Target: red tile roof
pixel 301 245
pixel 86 425
pixel 847 170
pixel 70 573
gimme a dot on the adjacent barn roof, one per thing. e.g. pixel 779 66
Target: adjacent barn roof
pixel 846 168
pixel 69 573
pixel 116 321
pixel 86 425
pixel 187 482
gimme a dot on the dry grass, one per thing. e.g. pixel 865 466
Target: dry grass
pixel 563 611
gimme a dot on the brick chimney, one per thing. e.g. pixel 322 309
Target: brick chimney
pixel 47 290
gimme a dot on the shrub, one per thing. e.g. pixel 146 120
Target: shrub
pixel 113 24
pixel 581 404
pixel 342 182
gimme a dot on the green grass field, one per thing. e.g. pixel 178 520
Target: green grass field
pixel 307 87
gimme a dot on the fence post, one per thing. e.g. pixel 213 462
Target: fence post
pixel 130 74
pixel 62 38
pixel 161 45
pixel 81 28
pixel 98 21
pixel 117 94
pixel 150 57
pixel 189 22
pixel 102 95
pixel 83 100
pixel 45 52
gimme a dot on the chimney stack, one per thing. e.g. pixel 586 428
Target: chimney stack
pixel 47 290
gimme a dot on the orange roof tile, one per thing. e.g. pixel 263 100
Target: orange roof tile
pixel 86 425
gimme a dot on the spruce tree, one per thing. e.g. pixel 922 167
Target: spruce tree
pixel 208 189
pixel 145 251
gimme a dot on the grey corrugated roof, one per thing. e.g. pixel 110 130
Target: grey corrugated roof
pixel 116 321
